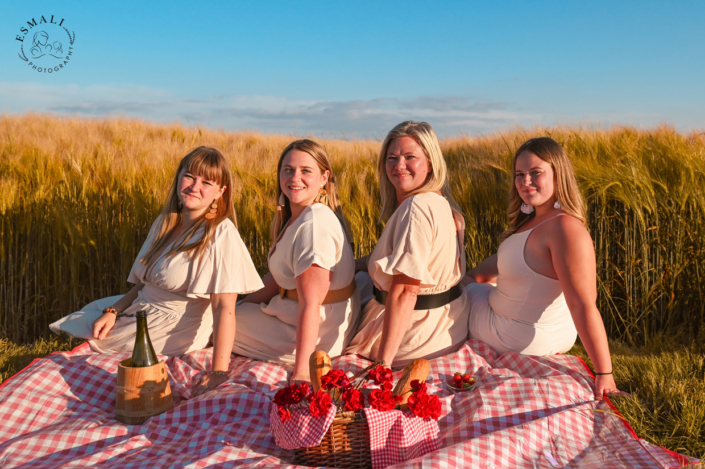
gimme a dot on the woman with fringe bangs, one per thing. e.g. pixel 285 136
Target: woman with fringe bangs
pixel 419 309
pixel 191 268
pixel 544 270
pixel 309 301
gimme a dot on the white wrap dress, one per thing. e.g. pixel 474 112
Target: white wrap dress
pixel 423 239
pixel 176 296
pixel 267 331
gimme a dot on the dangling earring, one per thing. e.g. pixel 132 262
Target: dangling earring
pixel 213 211
pixel 281 203
pixel 322 196
pixel 527 209
pixel 557 205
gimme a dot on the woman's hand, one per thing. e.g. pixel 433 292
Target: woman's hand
pixel 207 382
pixel 606 387
pixel 102 325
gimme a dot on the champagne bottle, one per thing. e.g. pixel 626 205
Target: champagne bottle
pixel 143 353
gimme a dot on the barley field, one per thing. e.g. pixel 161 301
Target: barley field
pixel 78 196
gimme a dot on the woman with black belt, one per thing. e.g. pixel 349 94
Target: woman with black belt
pixel 419 309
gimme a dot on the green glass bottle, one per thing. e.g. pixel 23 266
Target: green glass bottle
pixel 143 353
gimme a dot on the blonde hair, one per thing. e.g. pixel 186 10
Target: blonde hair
pixel 566 188
pixel 319 154
pixel 210 164
pixel 437 179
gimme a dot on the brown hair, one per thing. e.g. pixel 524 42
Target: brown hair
pixel 566 188
pixel 210 164
pixel 437 180
pixel 319 154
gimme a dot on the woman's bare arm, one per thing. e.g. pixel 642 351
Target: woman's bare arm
pixel 264 294
pixel 312 287
pixel 223 305
pixel 485 272
pixel 401 300
pixel 361 264
pixel 573 256
pixel 105 323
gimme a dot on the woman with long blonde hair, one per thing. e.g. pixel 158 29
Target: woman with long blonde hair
pixel 309 301
pixel 190 268
pixel 544 270
pixel 419 309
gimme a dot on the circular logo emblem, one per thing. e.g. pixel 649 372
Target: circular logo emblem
pixel 46 45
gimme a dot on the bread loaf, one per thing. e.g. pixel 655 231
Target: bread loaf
pixel 318 365
pixel 418 369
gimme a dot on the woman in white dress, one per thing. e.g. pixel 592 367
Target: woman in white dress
pixel 544 270
pixel 419 310
pixel 309 301
pixel 191 268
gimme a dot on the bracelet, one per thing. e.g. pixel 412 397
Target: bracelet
pixel 110 309
pixel 600 374
pixel 219 373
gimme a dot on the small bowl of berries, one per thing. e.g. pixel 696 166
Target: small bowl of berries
pixel 460 382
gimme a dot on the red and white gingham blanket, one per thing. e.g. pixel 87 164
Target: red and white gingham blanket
pixel 525 412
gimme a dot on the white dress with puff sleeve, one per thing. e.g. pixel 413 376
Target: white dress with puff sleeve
pixel 176 295
pixel 423 239
pixel 267 331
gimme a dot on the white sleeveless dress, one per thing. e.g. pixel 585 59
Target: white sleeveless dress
pixel 526 312
pixel 176 296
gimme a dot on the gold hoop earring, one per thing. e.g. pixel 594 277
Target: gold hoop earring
pixel 213 211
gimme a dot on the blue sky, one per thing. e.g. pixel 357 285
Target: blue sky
pixel 355 69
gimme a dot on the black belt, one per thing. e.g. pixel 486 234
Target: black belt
pixel 424 302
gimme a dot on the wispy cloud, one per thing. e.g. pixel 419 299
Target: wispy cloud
pixel 372 118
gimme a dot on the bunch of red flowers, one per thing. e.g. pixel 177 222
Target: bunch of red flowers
pixel 423 404
pixel 298 396
pixel 382 399
pixel 347 396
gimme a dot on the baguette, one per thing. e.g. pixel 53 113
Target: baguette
pixel 418 369
pixel 319 364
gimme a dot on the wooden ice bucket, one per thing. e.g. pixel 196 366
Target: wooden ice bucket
pixel 142 392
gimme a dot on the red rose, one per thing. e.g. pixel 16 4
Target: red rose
pixel 434 407
pixel 382 399
pixel 319 403
pixel 334 379
pixel 425 406
pixel 299 392
pixel 305 388
pixel 354 400
pixel 381 374
pixel 284 414
pixel 283 397
pixel 418 386
pixel 387 385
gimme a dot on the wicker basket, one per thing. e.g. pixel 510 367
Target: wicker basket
pixel 346 444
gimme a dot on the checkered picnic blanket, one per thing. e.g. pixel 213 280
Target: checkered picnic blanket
pixel 525 412
pixel 301 431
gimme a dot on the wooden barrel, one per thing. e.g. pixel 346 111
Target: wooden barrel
pixel 142 392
